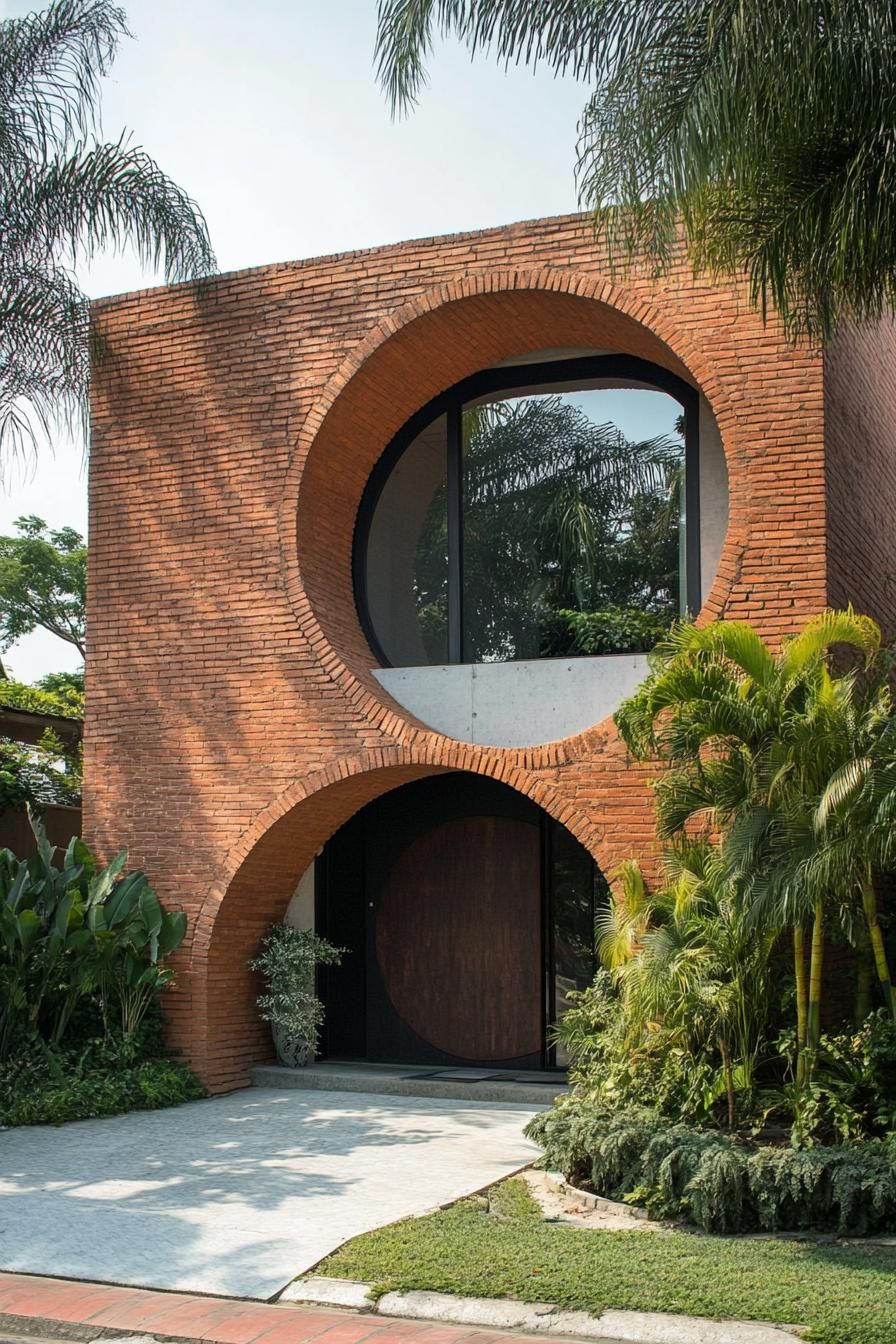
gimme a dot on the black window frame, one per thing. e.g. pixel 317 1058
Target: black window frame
pixel 516 378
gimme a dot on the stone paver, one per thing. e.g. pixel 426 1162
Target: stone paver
pixel 238 1194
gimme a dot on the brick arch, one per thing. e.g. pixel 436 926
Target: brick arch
pixel 256 881
pixel 423 347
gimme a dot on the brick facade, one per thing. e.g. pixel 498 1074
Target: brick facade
pixel 233 724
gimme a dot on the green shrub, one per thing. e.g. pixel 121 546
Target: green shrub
pixel 616 630
pixel 287 961
pixel 48 1087
pixel 608 1066
pixel 719 1182
pixel 852 1092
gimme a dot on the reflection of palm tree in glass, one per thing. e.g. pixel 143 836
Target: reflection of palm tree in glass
pixel 562 516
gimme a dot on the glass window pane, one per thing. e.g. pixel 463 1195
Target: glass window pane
pixel 576 885
pixel 571 509
pixel 407 555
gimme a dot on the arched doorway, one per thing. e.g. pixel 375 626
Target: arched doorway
pixel 467 917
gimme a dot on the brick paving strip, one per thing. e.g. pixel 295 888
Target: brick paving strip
pixel 35 1308
pixel 31 1306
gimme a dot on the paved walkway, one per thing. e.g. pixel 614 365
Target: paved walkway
pixel 238 1194
pixel 34 1305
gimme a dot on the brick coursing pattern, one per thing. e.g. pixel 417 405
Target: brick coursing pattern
pixel 233 724
pixel 860 438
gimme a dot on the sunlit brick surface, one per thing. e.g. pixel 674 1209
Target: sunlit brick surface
pixel 233 723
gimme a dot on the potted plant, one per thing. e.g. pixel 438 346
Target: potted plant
pixel 287 961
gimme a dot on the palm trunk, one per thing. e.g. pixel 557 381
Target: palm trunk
pixel 816 967
pixel 869 902
pixel 729 1080
pixel 864 981
pixel 802 988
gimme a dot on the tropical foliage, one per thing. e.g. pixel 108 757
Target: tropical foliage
pixel 764 130
pixel 74 932
pixel 719 1005
pixel 719 1182
pixel 94 1075
pixel 65 196
pixel 796 766
pixel 691 975
pixel 82 963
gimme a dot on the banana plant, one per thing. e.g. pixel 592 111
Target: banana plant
pixel 70 930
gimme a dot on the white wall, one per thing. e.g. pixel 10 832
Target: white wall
pixel 300 913
pixel 515 704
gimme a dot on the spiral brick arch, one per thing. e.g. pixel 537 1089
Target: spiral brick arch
pixel 254 887
pixel 409 357
pixel 233 723
pixel 419 350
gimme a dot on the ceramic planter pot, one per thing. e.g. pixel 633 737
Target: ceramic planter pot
pixel 291 1050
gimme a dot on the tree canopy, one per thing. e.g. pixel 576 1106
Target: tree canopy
pixel 64 196
pixel 43 577
pixel 764 130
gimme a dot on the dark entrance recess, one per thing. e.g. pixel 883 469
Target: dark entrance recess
pixel 467 915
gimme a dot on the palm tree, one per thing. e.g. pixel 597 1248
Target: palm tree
pixel 854 823
pixel 64 196
pixel 689 965
pixel 766 129
pixel 769 749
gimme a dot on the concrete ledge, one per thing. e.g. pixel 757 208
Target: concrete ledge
pixel 614 1327
pixel 330 1078
pixel 517 704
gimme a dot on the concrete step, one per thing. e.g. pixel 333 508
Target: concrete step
pixel 523 1089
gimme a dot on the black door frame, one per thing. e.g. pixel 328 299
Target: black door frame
pixel 435 799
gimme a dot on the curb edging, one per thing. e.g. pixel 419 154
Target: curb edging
pixel 632 1327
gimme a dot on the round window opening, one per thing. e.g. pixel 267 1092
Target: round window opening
pixel 536 511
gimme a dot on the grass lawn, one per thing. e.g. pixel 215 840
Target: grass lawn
pixel 843 1294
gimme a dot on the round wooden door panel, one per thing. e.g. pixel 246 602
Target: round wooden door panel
pixel 458 938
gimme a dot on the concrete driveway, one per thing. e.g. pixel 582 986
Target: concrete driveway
pixel 238 1194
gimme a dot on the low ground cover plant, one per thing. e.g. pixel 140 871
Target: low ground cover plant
pixel 92 1075
pixel 82 965
pixel 725 1068
pixel 840 1294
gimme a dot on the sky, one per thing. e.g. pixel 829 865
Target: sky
pixel 269 114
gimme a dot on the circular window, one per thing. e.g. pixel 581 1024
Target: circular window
pixel 534 511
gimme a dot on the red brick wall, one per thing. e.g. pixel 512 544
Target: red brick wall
pixel 860 435
pixel 232 721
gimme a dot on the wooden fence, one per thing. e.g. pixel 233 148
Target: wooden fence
pixel 16 834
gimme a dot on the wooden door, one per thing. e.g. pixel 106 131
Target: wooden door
pixel 456 939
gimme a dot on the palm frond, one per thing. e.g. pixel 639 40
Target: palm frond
pixel 762 133
pixel 63 198
pixel 567 35
pixel 824 632
pixel 50 65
